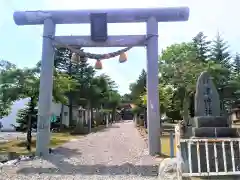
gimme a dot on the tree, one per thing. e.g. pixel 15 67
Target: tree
pixel 27 119
pixel 63 84
pixel 6 65
pixel 126 98
pixel 181 64
pixel 25 114
pixel 220 55
pixel 6 80
pixel 219 52
pixel 138 88
pixel 202 47
pixel 114 102
pixel 236 64
pixel 79 71
pixel 99 91
pixel 63 63
pixel 165 97
pixel 19 83
pixel 91 92
pixel 29 86
pixel 180 68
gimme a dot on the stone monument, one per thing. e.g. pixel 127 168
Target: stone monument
pixel 207 121
pixel 208 124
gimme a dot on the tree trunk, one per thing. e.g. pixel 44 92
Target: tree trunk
pixel 91 119
pixel 70 98
pixel 70 110
pixel 145 118
pixel 61 117
pixel 29 125
pixel 29 133
pixel 186 110
pixel 79 128
pixel 113 114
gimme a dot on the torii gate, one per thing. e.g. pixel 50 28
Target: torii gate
pixel 49 19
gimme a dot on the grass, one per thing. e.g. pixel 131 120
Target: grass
pixel 165 140
pixel 57 139
pixel 19 146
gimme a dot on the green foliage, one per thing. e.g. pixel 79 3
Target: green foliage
pixel 181 64
pixel 8 82
pixel 137 110
pixel 90 91
pixel 74 84
pixel 165 97
pixel 139 88
pixel 63 84
pixel 126 98
pixel 236 64
pixel 114 99
pixel 220 53
pixel 24 115
pixel 201 45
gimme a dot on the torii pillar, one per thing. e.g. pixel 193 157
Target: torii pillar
pixel 49 19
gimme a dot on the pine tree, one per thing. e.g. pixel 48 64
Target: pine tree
pixel 27 119
pixel 139 87
pixel 63 63
pixel 79 71
pixel 234 82
pixel 83 73
pixel 236 64
pixel 219 52
pixel 62 60
pixel 202 46
pixel 23 116
pixel 220 55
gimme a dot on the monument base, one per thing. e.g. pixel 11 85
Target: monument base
pixel 215 132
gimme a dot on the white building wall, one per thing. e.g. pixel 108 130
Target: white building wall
pixel 55 108
pixel 65 116
pixel 11 118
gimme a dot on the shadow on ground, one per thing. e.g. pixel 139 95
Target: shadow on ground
pixel 63 167
pixel 163 156
pixel 98 169
pixel 67 152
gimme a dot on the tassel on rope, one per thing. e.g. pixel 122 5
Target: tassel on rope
pixel 123 57
pixel 75 57
pixel 98 64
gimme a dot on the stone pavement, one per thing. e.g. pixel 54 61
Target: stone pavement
pixel 118 152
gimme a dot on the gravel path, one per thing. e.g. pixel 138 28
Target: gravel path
pixel 114 153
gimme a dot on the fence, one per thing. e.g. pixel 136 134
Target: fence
pixel 207 156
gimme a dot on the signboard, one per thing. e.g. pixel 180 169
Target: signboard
pixel 99 27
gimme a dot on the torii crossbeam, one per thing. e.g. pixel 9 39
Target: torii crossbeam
pixel 49 19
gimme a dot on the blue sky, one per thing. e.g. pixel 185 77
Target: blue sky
pixel 22 44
